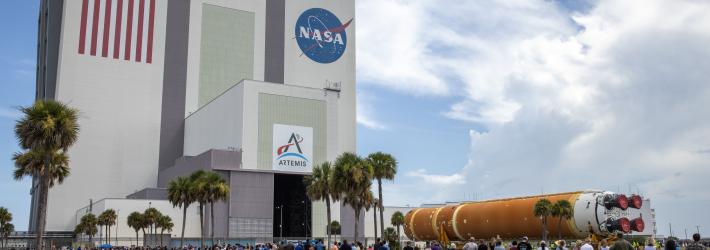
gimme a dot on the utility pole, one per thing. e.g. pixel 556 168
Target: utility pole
pixel 686 234
pixel 697 228
pixel 670 229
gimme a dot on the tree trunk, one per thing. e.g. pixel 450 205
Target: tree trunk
pixel 559 228
pixel 42 207
pixel 544 228
pixel 101 236
pixel 184 215
pixel 161 236
pixel 357 223
pixel 212 222
pixel 374 217
pixel 381 206
pixel 328 229
pixel 202 226
pixel 399 239
pixel 108 234
pixel 136 238
pixel 144 243
pixel 91 242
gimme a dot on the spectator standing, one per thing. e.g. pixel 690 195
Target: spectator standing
pixel 513 246
pixel 482 245
pixel 499 245
pixel 470 245
pixel 409 246
pixel 587 245
pixel 604 245
pixel 696 243
pixel 621 243
pixel 562 245
pixel 524 244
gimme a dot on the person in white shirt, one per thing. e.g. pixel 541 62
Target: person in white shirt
pixel 471 244
pixel 587 245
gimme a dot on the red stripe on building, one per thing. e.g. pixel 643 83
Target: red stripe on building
pixel 95 27
pixel 151 22
pixel 129 30
pixel 107 27
pixel 117 34
pixel 139 36
pixel 82 30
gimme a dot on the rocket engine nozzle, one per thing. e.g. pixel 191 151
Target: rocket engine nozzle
pixel 622 224
pixel 616 200
pixel 636 201
pixel 637 224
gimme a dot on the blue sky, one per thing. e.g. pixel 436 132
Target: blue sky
pixel 493 99
pixel 18 23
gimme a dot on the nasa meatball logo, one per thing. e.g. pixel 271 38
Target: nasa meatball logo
pixel 292 148
pixel 321 36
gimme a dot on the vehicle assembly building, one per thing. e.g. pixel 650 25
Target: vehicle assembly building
pixel 594 213
pixel 257 91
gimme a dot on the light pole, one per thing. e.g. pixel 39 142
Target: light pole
pixel 281 219
pixel 697 228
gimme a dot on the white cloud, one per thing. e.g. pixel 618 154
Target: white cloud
pixel 614 98
pixel 9 113
pixel 437 179
pixel 364 115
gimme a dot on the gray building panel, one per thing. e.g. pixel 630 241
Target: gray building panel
pixel 172 124
pixel 347 222
pixel 150 194
pixel 274 36
pixel 252 194
pixel 210 160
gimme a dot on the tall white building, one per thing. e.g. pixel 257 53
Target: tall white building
pixel 257 90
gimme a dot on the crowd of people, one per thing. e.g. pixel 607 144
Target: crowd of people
pixel 472 244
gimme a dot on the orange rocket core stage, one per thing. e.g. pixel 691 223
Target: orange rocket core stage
pixel 507 218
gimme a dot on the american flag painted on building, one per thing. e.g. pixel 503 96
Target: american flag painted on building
pixel 118 29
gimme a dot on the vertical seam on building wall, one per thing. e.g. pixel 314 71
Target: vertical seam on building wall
pixel 275 41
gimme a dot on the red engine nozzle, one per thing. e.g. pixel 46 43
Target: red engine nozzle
pixel 636 201
pixel 622 224
pixel 616 200
pixel 637 224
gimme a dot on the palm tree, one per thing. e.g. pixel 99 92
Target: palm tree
pixel 200 194
pixel 389 236
pixel 101 222
pixel 150 217
pixel 5 230
pixel 335 228
pixel 217 190
pixel 108 219
pixel 45 132
pixel 180 195
pixel 397 220
pixel 352 179
pixel 165 223
pixel 563 210
pixel 318 187
pixel 384 166
pixel 87 225
pixel 543 209
pixel 135 221
pixel 5 225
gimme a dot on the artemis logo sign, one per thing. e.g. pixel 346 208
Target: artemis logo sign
pixel 321 36
pixel 293 148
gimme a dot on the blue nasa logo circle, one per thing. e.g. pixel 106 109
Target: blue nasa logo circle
pixel 321 36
